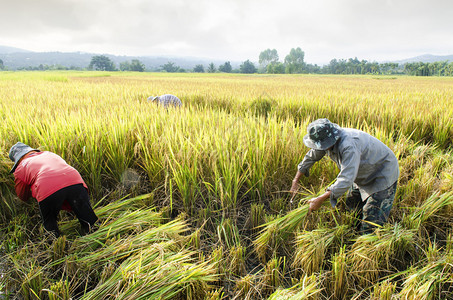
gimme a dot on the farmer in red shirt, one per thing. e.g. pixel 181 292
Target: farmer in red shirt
pixel 56 185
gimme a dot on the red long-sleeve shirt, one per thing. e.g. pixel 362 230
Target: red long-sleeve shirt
pixel 41 174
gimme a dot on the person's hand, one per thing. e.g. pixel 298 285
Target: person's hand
pixel 293 190
pixel 314 204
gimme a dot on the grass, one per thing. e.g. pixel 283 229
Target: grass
pixel 199 196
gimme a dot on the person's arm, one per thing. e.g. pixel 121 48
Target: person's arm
pixel 303 168
pixel 316 203
pixel 23 190
pixel 349 167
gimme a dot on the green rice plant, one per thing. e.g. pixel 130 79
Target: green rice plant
pixel 384 290
pixel 32 283
pixel 276 232
pixel 278 205
pixel 15 234
pixel 214 295
pixel 246 287
pixel 340 280
pixel 273 274
pixel 224 156
pixel 218 260
pixel 236 260
pixel 58 248
pixel 115 212
pixel 256 216
pixel 107 271
pixel 228 233
pixel 432 280
pixel 194 239
pixel 59 290
pixel 307 288
pixel 446 179
pixel 313 247
pixel 430 207
pixel 92 252
pixel 157 272
pixel 119 149
pixel 389 249
pixel 185 176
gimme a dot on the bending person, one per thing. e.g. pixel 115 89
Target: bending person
pixel 56 185
pixel 166 100
pixel 368 169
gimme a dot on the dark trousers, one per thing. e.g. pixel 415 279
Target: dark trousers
pixel 78 199
pixel 374 211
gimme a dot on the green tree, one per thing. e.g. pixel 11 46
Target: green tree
pixel 198 69
pixel 170 67
pixel 125 66
pixel 101 63
pixel 247 67
pixel 226 67
pixel 211 68
pixel 1 65
pixel 268 57
pixel 137 66
pixel 294 61
pixel 275 68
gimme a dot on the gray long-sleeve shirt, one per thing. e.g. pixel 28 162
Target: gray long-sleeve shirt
pixel 167 100
pixel 362 159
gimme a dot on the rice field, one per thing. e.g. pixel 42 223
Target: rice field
pixel 194 203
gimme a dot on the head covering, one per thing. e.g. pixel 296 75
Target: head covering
pixel 17 151
pixel 322 134
pixel 152 98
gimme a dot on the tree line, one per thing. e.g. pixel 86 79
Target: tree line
pixel 269 63
pixel 293 63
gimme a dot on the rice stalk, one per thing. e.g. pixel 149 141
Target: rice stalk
pixel 274 272
pixel 312 247
pixel 228 233
pixel 218 261
pixel 59 290
pixel 434 280
pixel 276 232
pixel 32 283
pixel 308 289
pixel 236 260
pixel 157 272
pixel 256 216
pixel 429 208
pixel 389 249
pixel 245 287
pixel 384 290
pixel 123 247
pixel 340 281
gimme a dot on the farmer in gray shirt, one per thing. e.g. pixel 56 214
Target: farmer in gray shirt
pixel 368 170
pixel 166 100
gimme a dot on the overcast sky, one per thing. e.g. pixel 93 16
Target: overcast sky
pixel 235 30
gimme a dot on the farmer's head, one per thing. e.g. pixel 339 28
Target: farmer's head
pixel 322 134
pixel 17 152
pixel 154 99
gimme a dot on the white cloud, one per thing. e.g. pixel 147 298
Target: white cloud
pixel 231 30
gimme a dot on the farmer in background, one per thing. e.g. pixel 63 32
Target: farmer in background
pixel 368 170
pixel 166 100
pixel 56 185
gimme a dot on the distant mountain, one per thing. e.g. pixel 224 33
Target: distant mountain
pixel 427 58
pixel 14 58
pixel 5 50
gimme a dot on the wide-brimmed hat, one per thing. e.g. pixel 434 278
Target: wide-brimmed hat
pixel 322 134
pixel 152 98
pixel 17 151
